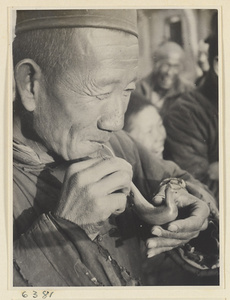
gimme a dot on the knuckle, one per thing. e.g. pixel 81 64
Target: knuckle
pixel 121 209
pixel 74 177
pixel 156 242
pixel 167 234
pixel 125 177
pixel 179 243
pixel 125 164
pixel 149 243
pixel 72 169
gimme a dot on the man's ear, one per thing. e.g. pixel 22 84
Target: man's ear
pixel 28 78
pixel 215 65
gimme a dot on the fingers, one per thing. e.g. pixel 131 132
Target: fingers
pixel 193 223
pixel 119 180
pixel 199 212
pixel 94 189
pixel 86 173
pixel 205 196
pixel 158 245
pixel 156 251
pixel 103 168
pixel 159 242
pixel 160 232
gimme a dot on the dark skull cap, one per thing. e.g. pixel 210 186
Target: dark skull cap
pixel 119 19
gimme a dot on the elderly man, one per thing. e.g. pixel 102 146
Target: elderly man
pixel 74 72
pixel 165 83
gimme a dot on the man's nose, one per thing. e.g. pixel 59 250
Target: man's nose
pixel 113 117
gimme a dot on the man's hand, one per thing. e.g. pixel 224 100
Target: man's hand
pixel 180 231
pixel 93 190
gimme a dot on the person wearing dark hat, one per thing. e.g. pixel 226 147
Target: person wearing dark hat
pixel 74 167
pixel 202 61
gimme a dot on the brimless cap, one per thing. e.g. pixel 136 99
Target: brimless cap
pixel 120 19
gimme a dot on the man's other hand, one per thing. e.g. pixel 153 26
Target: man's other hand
pixel 180 231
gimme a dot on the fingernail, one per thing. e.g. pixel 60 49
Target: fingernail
pixel 150 244
pixel 156 231
pixel 151 254
pixel 173 228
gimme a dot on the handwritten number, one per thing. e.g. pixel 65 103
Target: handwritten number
pixel 45 294
pixel 35 294
pixel 24 295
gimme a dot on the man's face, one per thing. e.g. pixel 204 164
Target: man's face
pixel 168 69
pixel 88 100
pixel 203 56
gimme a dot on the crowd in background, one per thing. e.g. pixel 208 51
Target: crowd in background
pixel 166 103
pixel 177 120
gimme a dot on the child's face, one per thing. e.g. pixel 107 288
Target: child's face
pixel 147 128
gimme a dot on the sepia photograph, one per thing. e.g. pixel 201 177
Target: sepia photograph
pixel 115 147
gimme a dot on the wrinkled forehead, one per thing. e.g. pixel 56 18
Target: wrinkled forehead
pixel 100 57
pixel 104 47
pixel 92 40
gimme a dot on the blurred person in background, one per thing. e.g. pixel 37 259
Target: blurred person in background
pixel 192 125
pixel 144 124
pixel 165 83
pixel 202 61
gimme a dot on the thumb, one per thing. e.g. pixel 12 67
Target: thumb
pixel 198 216
pixel 160 196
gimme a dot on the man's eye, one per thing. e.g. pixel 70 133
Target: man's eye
pixel 103 96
